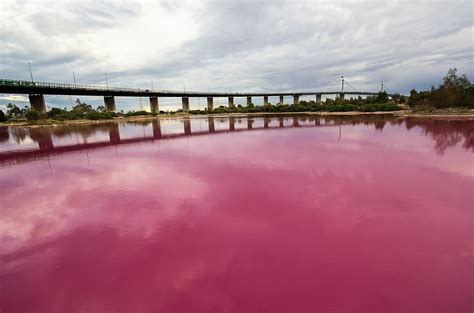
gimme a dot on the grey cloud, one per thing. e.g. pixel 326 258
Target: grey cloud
pixel 265 45
pixel 370 38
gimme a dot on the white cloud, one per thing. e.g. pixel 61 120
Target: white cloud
pixel 237 45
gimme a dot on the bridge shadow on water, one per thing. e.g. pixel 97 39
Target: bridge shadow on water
pixel 49 141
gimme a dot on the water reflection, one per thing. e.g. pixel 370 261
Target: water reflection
pixel 446 134
pixel 4 134
pixel 276 214
pixel 68 138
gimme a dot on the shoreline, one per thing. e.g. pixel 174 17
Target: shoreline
pixel 398 114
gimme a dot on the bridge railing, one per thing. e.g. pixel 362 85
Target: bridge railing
pixel 141 91
pixel 26 83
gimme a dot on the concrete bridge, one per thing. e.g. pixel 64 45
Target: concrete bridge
pixel 37 90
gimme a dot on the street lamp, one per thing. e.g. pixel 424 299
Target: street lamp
pixel 106 82
pixel 74 78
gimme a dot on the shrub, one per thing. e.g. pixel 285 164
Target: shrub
pixel 3 118
pixel 94 115
pixel 32 115
pixel 136 113
pixel 455 91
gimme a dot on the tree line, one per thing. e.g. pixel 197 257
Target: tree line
pixel 79 111
pixel 380 102
pixel 454 92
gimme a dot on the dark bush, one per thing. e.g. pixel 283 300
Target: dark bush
pixel 455 91
pixel 55 112
pixel 32 115
pixel 3 117
pixel 137 113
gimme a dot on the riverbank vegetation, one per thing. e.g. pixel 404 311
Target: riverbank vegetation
pixel 378 103
pixel 84 111
pixel 454 93
pixel 81 111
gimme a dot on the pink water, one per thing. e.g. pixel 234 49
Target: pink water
pixel 321 215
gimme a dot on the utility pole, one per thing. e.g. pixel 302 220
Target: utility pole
pixel 342 80
pixel 381 88
pixel 106 82
pixel 31 73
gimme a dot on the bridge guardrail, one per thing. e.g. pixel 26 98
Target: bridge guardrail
pixel 140 91
pixel 26 83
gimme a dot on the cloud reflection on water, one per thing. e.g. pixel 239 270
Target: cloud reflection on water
pixel 299 219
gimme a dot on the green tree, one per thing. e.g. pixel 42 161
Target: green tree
pixel 13 111
pixel 382 97
pixel 3 118
pixel 32 115
pixel 454 91
pixel 82 108
pixel 452 80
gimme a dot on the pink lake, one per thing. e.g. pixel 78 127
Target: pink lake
pixel 364 214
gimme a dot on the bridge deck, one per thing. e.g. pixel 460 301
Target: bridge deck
pixel 8 86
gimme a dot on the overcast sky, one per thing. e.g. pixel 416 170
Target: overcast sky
pixel 235 45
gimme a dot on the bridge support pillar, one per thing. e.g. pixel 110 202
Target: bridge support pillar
pixel 282 100
pixel 210 103
pixel 37 103
pixel 249 101
pixel 318 98
pixel 230 102
pixel 109 102
pixel 296 99
pixel 154 107
pixel 185 102
pixel 265 100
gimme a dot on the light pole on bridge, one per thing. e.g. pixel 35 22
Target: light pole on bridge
pixel 106 82
pixel 342 81
pixel 74 77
